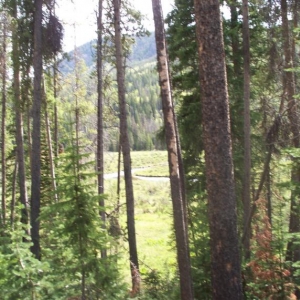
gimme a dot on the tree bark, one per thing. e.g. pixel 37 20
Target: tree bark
pixel 124 140
pixel 247 128
pixel 225 258
pixel 36 130
pixel 100 148
pixel 177 192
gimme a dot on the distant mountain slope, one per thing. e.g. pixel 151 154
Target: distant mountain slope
pixel 143 49
pixel 142 96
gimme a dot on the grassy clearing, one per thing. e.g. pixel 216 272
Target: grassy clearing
pixel 154 162
pixel 156 252
pixel 153 212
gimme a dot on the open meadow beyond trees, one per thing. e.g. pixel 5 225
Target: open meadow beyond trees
pixel 153 210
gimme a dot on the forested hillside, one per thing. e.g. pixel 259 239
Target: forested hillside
pixel 143 97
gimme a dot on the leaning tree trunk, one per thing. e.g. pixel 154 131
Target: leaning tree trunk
pixel 124 140
pixel 177 192
pixel 36 130
pixel 225 261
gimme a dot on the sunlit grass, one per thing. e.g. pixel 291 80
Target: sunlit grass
pixel 139 159
pixel 153 213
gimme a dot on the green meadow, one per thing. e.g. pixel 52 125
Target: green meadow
pixel 153 211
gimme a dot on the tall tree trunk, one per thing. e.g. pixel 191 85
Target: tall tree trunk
pixel 36 130
pixel 19 121
pixel 247 127
pixel 177 191
pixel 134 264
pixel 226 272
pixel 3 123
pixel 100 148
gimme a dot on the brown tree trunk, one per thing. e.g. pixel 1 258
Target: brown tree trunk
pixel 36 130
pixel 124 140
pixel 225 258
pixel 177 192
pixel 247 127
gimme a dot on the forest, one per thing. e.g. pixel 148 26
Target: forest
pixel 151 165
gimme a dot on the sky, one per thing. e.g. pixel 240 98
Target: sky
pixel 79 18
